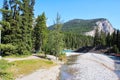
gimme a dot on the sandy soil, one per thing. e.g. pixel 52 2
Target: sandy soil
pixel 43 74
pixel 18 59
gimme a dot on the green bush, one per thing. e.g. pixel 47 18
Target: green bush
pixel 7 49
pixel 115 49
pixel 62 57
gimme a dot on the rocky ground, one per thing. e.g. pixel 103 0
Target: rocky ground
pixel 92 66
pixel 89 66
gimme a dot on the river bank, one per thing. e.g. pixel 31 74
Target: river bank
pixel 90 66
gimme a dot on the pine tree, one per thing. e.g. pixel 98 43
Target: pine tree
pixel 27 7
pixel 118 39
pixel 40 32
pixel 5 10
pixel 19 14
pixel 96 38
pixel 115 49
pixel 102 38
pixel 108 40
pixel 113 38
pixel 5 24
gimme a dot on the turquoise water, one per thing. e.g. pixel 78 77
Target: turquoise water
pixel 64 51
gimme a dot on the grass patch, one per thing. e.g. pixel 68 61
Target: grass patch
pixel 4 74
pixel 12 70
pixel 24 67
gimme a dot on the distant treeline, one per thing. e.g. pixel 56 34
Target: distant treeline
pixel 109 40
pixel 75 40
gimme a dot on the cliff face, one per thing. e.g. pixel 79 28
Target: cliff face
pixel 103 25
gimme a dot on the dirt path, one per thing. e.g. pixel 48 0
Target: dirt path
pixel 34 56
pixel 43 74
pixel 17 59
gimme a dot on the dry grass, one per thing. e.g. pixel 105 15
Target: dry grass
pixel 24 67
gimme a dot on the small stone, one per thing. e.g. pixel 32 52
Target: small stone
pixel 0 57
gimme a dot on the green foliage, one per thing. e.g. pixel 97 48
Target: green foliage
pixel 3 65
pixel 78 25
pixel 7 49
pixel 40 33
pixel 115 41
pixel 99 38
pixel 115 49
pixel 55 39
pixel 17 20
pixel 62 57
pixel 108 40
pixel 96 38
pixel 102 39
pixel 75 41
pixel 6 25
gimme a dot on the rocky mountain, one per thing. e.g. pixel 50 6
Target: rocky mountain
pixel 102 25
pixel 87 27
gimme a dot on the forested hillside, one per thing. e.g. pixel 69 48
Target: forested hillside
pixel 79 25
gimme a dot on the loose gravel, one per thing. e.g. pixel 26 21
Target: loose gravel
pixel 92 66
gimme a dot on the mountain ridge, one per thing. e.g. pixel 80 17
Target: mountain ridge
pixel 87 26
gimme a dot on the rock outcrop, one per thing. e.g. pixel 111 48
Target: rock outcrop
pixel 104 26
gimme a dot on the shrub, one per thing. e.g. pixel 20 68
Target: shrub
pixel 62 57
pixel 115 49
pixel 7 49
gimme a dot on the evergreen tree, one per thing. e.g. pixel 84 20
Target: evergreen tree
pixel 5 24
pixel 40 32
pixel 5 10
pixel 108 40
pixel 113 38
pixel 102 38
pixel 96 38
pixel 27 7
pixel 115 49
pixel 75 41
pixel 19 14
pixel 118 39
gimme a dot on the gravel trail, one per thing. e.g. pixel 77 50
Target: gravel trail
pixel 43 74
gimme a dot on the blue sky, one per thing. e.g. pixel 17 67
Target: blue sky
pixel 80 9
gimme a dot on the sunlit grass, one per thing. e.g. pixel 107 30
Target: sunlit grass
pixel 21 68
pixel 25 67
pixel 4 74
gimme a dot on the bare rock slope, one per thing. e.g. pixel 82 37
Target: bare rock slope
pixel 104 26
